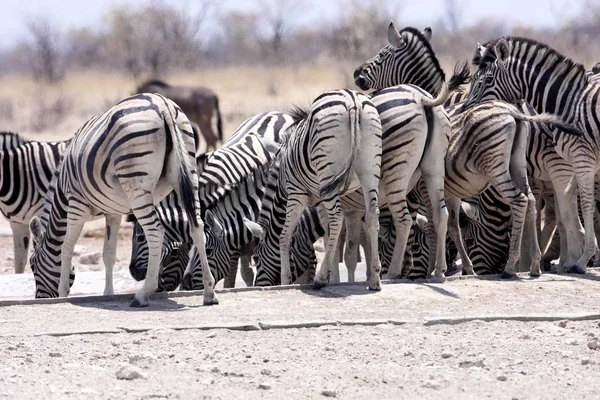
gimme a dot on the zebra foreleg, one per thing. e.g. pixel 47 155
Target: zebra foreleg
pixel 245 268
pixel 109 252
pixel 585 184
pixel 456 235
pixel 21 236
pixel 75 221
pixel 295 207
pixel 229 281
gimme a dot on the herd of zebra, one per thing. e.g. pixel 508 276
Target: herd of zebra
pixel 418 173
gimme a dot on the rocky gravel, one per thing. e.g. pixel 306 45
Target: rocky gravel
pixel 437 344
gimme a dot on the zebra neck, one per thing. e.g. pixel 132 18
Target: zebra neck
pixel 54 222
pixel 554 85
pixel 422 69
pixel 424 74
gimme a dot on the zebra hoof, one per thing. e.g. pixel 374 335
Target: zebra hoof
pixel 508 274
pixel 547 266
pixel 535 274
pixel 319 285
pixel 576 269
pixel 210 302
pixel 375 288
pixel 135 303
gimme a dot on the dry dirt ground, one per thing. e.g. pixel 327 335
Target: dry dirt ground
pixel 397 343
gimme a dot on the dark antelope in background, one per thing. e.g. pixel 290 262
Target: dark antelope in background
pixel 200 105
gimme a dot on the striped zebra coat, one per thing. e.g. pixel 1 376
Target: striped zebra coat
pixel 26 168
pixel 125 160
pixel 507 69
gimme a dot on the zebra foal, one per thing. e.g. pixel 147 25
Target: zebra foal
pixel 125 160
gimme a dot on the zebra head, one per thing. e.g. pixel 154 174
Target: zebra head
pixel 485 223
pixel 407 58
pixel 45 263
pixel 492 79
pixel 218 253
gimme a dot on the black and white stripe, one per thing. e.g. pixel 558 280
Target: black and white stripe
pixel 122 161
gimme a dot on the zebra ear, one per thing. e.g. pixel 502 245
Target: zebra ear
pixel 502 51
pixel 469 210
pixel 213 224
pixel 394 37
pixel 255 229
pixel 427 33
pixel 202 161
pixel 37 232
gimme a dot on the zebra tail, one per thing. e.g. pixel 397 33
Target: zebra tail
pixel 335 184
pixel 461 76
pixel 186 186
pixel 550 119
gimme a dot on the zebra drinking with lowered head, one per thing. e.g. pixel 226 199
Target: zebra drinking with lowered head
pixel 125 160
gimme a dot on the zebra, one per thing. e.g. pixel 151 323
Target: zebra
pixel 226 175
pixel 341 137
pixel 124 160
pixel 412 61
pixel 507 70
pixel 26 168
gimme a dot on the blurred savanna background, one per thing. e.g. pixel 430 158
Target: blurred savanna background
pixel 63 61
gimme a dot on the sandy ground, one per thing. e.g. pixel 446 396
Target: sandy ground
pixel 407 358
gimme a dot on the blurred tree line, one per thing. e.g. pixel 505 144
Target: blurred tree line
pixel 158 39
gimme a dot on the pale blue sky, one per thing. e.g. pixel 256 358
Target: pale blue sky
pixel 72 13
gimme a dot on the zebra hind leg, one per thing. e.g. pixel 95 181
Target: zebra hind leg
pixel 21 238
pixel 154 232
pixel 109 252
pixel 197 234
pixel 518 202
pixel 353 229
pixel 439 218
pixel 335 219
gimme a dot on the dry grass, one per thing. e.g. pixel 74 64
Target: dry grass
pixel 51 112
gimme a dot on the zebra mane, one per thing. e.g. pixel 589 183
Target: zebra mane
pixel 156 82
pixel 47 209
pixel 298 113
pixel 8 133
pixel 408 31
pixel 516 41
